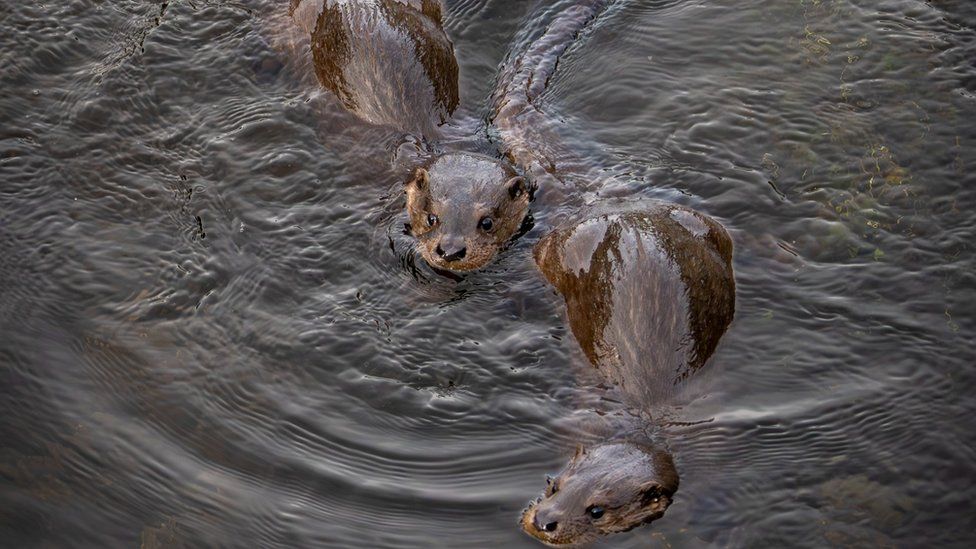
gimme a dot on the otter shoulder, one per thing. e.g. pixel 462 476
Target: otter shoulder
pixel 648 293
pixel 388 61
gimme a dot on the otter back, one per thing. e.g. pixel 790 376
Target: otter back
pixel 648 293
pixel 388 61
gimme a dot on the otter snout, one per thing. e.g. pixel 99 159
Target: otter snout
pixel 545 524
pixel 451 248
pixel 545 520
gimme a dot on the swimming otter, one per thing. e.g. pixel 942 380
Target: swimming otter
pixel 464 209
pixel 391 63
pixel 607 489
pixel 648 295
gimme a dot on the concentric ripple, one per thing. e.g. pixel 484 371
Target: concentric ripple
pixel 214 332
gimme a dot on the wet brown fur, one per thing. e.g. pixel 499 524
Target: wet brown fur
pixel 648 293
pixel 357 51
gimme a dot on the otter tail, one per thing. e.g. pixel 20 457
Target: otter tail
pixel 518 113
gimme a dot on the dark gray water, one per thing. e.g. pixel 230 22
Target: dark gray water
pixel 213 334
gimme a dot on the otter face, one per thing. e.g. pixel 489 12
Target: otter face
pixel 604 490
pixel 465 209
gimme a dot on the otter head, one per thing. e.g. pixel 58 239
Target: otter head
pixel 464 209
pixel 607 489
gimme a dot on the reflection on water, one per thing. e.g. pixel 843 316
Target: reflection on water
pixel 214 331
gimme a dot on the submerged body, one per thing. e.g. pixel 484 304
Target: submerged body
pixel 388 61
pixel 648 296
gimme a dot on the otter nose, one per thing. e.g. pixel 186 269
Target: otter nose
pixel 451 249
pixel 545 522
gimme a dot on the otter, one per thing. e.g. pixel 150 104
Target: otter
pixel 459 212
pixel 648 295
pixel 390 63
pixel 608 489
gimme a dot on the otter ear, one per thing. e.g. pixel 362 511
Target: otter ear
pixel 580 452
pixel 517 187
pixel 420 180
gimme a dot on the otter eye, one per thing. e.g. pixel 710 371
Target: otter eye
pixel 595 511
pixel 486 224
pixel 431 220
pixel 552 486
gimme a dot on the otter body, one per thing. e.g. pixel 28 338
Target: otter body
pixel 648 296
pixel 648 293
pixel 388 61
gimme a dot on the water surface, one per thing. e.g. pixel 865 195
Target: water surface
pixel 212 332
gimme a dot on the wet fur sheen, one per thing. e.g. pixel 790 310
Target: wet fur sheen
pixel 388 61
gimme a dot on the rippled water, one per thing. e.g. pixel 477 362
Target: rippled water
pixel 213 333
